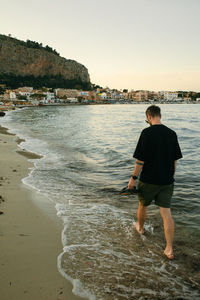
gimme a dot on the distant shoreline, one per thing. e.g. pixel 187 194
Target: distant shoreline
pixel 8 108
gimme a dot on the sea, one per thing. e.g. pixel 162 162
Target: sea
pixel 87 159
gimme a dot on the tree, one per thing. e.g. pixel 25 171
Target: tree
pixel 37 96
pixel 80 98
pixel 22 97
pixel 44 89
pixel 13 81
pixel 2 90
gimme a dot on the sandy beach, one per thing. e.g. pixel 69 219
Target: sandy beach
pixel 30 239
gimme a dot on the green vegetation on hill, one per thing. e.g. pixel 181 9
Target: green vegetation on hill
pixel 30 44
pixel 2 90
pixel 13 81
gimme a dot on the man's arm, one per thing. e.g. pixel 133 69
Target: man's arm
pixel 136 172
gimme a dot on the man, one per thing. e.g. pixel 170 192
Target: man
pixel 156 156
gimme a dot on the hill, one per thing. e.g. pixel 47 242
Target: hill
pixel 30 64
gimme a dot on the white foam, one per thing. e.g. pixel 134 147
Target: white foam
pixel 142 291
pixel 149 228
pixel 78 288
pixel 71 247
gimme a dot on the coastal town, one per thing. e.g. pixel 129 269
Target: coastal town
pixel 28 96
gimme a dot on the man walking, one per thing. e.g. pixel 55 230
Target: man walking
pixel 156 154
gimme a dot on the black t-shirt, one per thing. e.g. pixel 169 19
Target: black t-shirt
pixel 158 147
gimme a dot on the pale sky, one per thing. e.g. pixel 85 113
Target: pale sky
pixel 133 44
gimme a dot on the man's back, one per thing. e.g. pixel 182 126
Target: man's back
pixel 158 147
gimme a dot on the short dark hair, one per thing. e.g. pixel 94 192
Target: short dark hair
pixel 153 111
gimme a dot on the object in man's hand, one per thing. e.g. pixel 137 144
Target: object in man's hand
pixel 126 191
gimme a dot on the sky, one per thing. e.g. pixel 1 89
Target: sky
pixel 124 44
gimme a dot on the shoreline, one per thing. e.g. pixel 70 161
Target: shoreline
pixel 107 102
pixel 30 239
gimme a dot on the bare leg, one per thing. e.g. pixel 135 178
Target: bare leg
pixel 168 223
pixel 141 216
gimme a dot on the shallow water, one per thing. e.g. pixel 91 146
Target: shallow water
pixel 87 161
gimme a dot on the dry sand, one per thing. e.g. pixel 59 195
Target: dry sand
pixel 30 240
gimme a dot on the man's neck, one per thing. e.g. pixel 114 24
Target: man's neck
pixel 156 121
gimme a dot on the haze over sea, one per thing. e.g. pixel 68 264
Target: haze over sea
pixel 87 160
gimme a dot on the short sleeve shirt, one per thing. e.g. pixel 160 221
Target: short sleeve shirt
pixel 158 147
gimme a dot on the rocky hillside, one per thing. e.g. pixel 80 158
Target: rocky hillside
pixel 22 62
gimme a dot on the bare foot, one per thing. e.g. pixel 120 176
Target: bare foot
pixel 137 227
pixel 169 254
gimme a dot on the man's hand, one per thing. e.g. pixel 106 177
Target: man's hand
pixel 137 169
pixel 131 184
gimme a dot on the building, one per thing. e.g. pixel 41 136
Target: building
pixel 13 96
pixel 141 96
pixel 131 95
pixel 153 96
pixel 26 94
pixel 103 96
pixel 25 89
pixel 49 96
pixel 9 95
pixel 72 100
pixel 66 93
pixel 169 96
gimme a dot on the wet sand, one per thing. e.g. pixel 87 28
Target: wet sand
pixel 30 239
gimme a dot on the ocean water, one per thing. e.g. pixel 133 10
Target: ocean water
pixel 87 159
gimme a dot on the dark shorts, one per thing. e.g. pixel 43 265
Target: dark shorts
pixel 162 194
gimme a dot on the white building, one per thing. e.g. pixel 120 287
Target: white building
pixel 13 96
pixel 103 96
pixel 169 96
pixel 50 96
pixel 72 100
